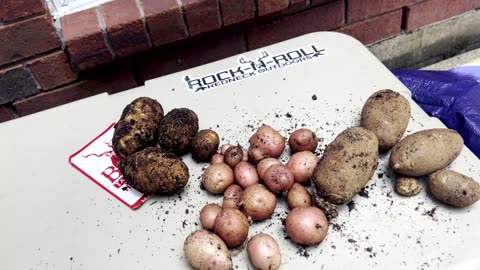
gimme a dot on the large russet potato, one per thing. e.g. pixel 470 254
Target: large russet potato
pixel 454 188
pixel 425 152
pixel 347 165
pixel 177 129
pixel 137 127
pixel 154 171
pixel 386 113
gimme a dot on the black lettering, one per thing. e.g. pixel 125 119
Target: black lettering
pixel 204 79
pixel 297 55
pixel 279 57
pixel 318 51
pixel 220 77
pixel 235 72
pixel 195 83
pixel 306 54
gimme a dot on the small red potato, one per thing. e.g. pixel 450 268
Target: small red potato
pixel 224 148
pixel 302 164
pixel 233 156
pixel 303 140
pixel 208 214
pixel 266 142
pixel 217 158
pixel 205 250
pixel 245 174
pixel 298 196
pixel 307 225
pixel 232 226
pixel 264 252
pixel 217 178
pixel 258 203
pixel 264 164
pixel 279 178
pixel 232 197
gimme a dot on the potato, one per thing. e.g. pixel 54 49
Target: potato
pixel 302 164
pixel 258 203
pixel 177 129
pixel 245 174
pixel 233 156
pixel 386 113
pixel 232 197
pixel 266 142
pixel 232 226
pixel 303 140
pixel 137 127
pixel 205 250
pixel 264 252
pixel 217 158
pixel 347 165
pixel 217 178
pixel 264 164
pixel 298 196
pixel 454 188
pixel 205 145
pixel 407 186
pixel 208 214
pixel 307 225
pixel 425 152
pixel 278 178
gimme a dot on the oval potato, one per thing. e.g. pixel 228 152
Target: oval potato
pixel 425 152
pixel 206 250
pixel 386 113
pixel 454 188
pixel 177 129
pixel 347 165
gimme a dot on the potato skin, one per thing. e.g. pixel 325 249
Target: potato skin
pixel 177 129
pixel 347 165
pixel 407 186
pixel 137 127
pixel 205 145
pixel 386 113
pixel 454 188
pixel 205 250
pixel 154 171
pixel 425 152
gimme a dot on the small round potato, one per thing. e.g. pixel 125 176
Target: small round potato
pixel 407 186
pixel 347 165
pixel 154 171
pixel 205 145
pixel 217 178
pixel 298 196
pixel 137 127
pixel 177 129
pixel 264 252
pixel 425 152
pixel 386 113
pixel 205 250
pixel 232 226
pixel 303 140
pixel 307 225
pixel 454 188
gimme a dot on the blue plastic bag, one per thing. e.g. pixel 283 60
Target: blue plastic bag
pixel 452 96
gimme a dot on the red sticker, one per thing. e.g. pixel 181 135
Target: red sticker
pixel 97 161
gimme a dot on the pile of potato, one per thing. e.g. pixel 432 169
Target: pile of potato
pixel 252 179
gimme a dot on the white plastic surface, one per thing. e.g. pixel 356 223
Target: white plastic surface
pixel 53 217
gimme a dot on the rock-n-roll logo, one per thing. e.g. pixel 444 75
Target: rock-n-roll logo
pixel 248 68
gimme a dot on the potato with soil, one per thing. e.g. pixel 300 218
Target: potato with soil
pixel 177 129
pixel 264 164
pixel 266 142
pixel 347 165
pixel 307 225
pixel 154 171
pixel 233 156
pixel 303 140
pixel 232 226
pixel 205 145
pixel 208 214
pixel 298 196
pixel 264 252
pixel 137 127
pixel 232 197
pixel 425 152
pixel 302 164
pixel 407 186
pixel 279 178
pixel 217 178
pixel 205 250
pixel 386 113
pixel 258 203
pixel 454 188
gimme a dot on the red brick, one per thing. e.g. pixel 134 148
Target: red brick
pixel 297 3
pixel 111 83
pixel 15 9
pixel 271 6
pixel 190 55
pixel 84 39
pixel 26 39
pixel 361 9
pixel 319 2
pixel 125 27
pixel 432 11
pixel 202 16
pixel 5 115
pixel 316 19
pixel 376 28
pixel 165 21
pixel 16 82
pixel 234 11
pixel 52 70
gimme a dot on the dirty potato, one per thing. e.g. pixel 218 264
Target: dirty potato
pixel 205 145
pixel 425 152
pixel 137 127
pixel 205 250
pixel 177 129
pixel 154 171
pixel 386 113
pixel 454 188
pixel 347 165
pixel 407 186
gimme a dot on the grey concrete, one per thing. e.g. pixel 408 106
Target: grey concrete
pixel 468 58
pixel 432 43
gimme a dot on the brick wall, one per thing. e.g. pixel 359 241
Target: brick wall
pixel 122 43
